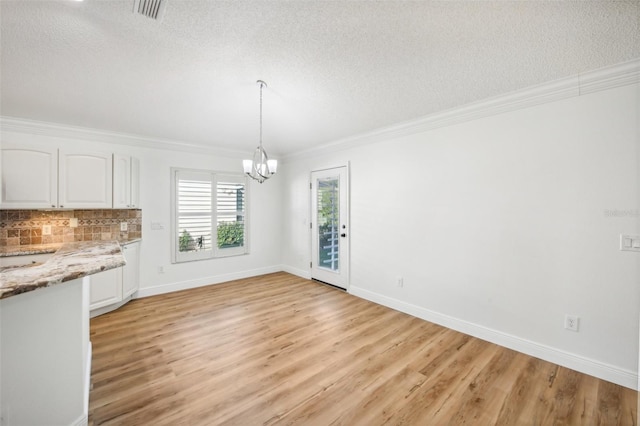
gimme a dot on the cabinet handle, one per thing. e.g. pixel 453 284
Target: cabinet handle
pixel 61 206
pixel 53 205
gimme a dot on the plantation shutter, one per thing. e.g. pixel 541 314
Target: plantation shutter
pixel 195 215
pixel 230 215
pixel 209 215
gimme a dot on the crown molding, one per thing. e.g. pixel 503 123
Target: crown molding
pixel 623 74
pixel 619 75
pixel 21 125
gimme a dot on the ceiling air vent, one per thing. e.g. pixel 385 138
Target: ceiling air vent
pixel 153 9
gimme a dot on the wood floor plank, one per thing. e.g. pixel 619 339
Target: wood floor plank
pixel 353 385
pixel 314 369
pixel 483 398
pixel 437 400
pixel 281 350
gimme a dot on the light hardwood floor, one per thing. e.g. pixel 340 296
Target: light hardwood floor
pixel 278 349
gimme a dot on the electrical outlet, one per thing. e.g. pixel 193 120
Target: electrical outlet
pixel 400 281
pixel 161 269
pixel 73 222
pixel 46 229
pixel 124 226
pixel 630 242
pixel 571 322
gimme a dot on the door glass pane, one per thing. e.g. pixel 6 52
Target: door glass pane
pixel 328 222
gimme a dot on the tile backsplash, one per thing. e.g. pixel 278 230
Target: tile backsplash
pixel 24 227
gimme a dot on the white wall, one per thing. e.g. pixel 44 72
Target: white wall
pixel 264 221
pixel 155 251
pixel 499 227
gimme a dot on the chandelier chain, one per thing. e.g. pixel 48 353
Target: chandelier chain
pixel 261 86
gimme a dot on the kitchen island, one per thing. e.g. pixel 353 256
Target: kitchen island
pixel 45 353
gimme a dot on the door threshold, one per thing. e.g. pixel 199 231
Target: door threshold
pixel 329 284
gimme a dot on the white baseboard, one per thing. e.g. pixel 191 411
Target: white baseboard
pixel 201 282
pixel 106 309
pixel 298 272
pixel 80 421
pixel 579 363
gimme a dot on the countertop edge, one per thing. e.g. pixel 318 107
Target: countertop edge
pixel 29 250
pixel 71 261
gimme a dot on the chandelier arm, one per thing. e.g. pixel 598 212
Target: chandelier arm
pixel 259 169
pixel 261 165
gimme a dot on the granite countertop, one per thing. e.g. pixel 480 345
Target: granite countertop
pixel 70 261
pixel 48 248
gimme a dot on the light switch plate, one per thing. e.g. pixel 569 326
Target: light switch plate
pixel 124 226
pixel 630 242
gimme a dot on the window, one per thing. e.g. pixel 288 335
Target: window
pixel 209 214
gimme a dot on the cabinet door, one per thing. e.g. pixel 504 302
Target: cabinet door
pixel 121 181
pixel 106 288
pixel 29 177
pixel 85 179
pixel 135 182
pixel 131 271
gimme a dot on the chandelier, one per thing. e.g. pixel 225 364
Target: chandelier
pixel 260 168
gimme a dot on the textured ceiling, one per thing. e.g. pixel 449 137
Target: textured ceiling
pixel 335 69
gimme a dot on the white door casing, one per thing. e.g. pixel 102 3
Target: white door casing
pixel 330 230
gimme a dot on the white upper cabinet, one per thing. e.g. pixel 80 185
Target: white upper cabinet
pixel 85 179
pixel 37 176
pixel 135 182
pixel 126 177
pixel 42 177
pixel 29 177
pixel 121 181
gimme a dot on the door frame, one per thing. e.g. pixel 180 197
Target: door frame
pixel 347 250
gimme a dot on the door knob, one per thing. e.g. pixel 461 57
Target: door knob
pixel 343 235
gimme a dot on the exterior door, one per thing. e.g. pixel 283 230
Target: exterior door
pixel 330 226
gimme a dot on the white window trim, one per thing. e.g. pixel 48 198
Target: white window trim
pixel 176 256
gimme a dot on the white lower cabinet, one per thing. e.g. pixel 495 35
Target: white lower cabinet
pixel 131 271
pixel 106 288
pixel 111 289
